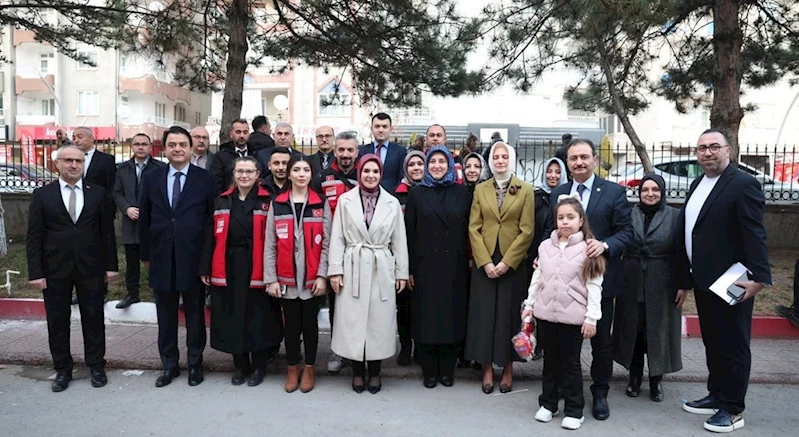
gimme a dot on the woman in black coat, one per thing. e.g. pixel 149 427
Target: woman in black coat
pixel 437 219
pixel 649 318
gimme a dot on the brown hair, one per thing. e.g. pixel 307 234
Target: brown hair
pixel 592 267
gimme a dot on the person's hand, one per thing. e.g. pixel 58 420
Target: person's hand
pixel 526 314
pixel 273 289
pixel 399 284
pixel 40 283
pixel 206 279
pixel 319 287
pixel 681 296
pixel 587 330
pixel 490 270
pixel 111 276
pixel 501 268
pixel 411 283
pixel 594 248
pixel 751 287
pixel 535 263
pixel 132 212
pixel 336 283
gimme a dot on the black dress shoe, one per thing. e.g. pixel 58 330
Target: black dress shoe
pixel 256 378
pixel 166 377
pixel 358 388
pixel 601 410
pixel 430 382
pixel 375 388
pixel 195 376
pixel 447 381
pixel 655 389
pixel 61 381
pixel 505 388
pixel 488 388
pixel 239 377
pixel 634 386
pixel 98 377
pixel 724 421
pixel 706 405
pixel 74 300
pixel 128 301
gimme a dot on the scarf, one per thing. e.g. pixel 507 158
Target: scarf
pixel 542 184
pixel 368 196
pixel 449 177
pixel 483 169
pixel 407 179
pixel 502 179
pixel 649 211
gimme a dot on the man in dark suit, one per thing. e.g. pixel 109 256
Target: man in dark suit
pixel 323 158
pixel 175 206
pixel 222 166
pixel 200 155
pixel 392 155
pixel 126 198
pixel 99 169
pixel 609 216
pixel 261 137
pixel 70 244
pixel 723 224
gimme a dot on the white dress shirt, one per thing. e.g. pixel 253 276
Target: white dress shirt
pixel 693 208
pixel 586 197
pixel 65 192
pixel 170 180
pixel 87 160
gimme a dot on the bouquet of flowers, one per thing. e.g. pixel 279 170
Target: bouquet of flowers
pixel 524 341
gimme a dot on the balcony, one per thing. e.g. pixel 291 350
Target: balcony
pixel 150 85
pixel 157 121
pixel 43 83
pixel 23 36
pixel 35 120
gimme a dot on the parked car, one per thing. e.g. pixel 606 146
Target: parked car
pixel 24 177
pixel 680 171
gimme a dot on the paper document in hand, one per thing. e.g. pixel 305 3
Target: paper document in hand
pixel 724 288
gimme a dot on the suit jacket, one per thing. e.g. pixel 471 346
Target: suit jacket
pixel 57 248
pixel 126 194
pixel 609 217
pixel 102 171
pixel 512 225
pixel 316 163
pixel 729 229
pixel 392 166
pixel 173 238
pixel 260 140
pixel 222 164
pixel 209 160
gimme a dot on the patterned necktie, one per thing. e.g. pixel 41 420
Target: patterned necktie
pixel 324 161
pixel 72 209
pixel 176 189
pixel 581 189
pixel 139 169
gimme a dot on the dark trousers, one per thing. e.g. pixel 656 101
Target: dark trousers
pixel 254 360
pixel 562 344
pixel 331 307
pixel 639 350
pixel 796 287
pixel 301 320
pixel 726 332
pixel 132 269
pixel 359 368
pixel 438 359
pixel 601 350
pixel 57 304
pixel 166 305
pixel 404 318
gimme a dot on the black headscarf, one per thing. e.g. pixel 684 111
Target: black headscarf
pixel 650 210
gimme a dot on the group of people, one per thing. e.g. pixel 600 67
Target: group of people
pixel 454 253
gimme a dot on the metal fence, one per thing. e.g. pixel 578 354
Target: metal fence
pixel 25 167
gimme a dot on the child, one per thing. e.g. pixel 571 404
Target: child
pixel 565 294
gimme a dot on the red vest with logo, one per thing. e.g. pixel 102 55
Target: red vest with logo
pixel 313 234
pixel 221 228
pixel 334 184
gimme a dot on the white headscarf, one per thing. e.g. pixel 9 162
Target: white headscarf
pixel 502 178
pixel 542 184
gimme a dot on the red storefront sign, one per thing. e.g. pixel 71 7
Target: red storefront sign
pixel 48 133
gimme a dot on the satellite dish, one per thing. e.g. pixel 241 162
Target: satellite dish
pixel 281 102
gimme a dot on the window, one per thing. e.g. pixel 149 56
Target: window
pixel 44 62
pixel 160 110
pixel 198 118
pixel 704 117
pixel 48 107
pixel 1 105
pixel 88 103
pixel 91 54
pixel 334 100
pixel 180 113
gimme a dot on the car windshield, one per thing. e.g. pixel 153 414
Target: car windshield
pixel 38 172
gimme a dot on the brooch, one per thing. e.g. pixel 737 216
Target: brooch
pixel 513 189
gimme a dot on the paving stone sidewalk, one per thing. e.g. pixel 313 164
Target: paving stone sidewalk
pixel 134 347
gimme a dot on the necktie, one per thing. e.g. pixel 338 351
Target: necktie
pixel 176 189
pixel 72 209
pixel 581 189
pixel 139 169
pixel 242 153
pixel 380 152
pixel 324 161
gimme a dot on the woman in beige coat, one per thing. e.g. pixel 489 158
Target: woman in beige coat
pixel 368 266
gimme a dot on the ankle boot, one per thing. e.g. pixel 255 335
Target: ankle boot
pixel 293 378
pixel 634 386
pixel 655 388
pixel 308 376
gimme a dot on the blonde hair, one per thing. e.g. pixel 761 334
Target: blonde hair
pixel 592 267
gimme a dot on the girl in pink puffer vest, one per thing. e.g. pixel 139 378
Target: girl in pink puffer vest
pixel 565 294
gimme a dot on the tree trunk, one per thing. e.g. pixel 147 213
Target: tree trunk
pixel 235 66
pixel 726 113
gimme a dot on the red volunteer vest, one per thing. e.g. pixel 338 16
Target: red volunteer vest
pixel 313 234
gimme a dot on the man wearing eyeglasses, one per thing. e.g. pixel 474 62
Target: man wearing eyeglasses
pixel 323 158
pixel 126 197
pixel 723 224
pixel 200 155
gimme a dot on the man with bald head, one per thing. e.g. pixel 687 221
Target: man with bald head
pixel 63 138
pixel 323 158
pixel 200 155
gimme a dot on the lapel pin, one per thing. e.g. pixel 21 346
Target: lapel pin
pixel 598 189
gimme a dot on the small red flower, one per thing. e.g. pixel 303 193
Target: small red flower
pixel 514 189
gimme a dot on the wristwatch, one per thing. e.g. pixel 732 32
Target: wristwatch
pixel 605 245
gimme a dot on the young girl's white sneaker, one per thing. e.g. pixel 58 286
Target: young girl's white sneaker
pixel 544 415
pixel 572 422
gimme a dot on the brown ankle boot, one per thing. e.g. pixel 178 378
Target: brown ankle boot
pixel 293 378
pixel 308 376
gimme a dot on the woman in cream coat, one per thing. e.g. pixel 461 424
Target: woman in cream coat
pixel 368 265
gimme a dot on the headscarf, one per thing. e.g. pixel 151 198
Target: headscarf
pixel 448 178
pixel 369 196
pixel 411 153
pixel 502 178
pixel 542 184
pixel 483 169
pixel 650 210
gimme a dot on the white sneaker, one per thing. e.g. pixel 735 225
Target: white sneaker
pixel 544 415
pixel 336 363
pixel 572 422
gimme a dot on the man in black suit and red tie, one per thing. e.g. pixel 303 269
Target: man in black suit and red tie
pixel 71 245
pixel 176 203
pixel 723 224
pixel 392 155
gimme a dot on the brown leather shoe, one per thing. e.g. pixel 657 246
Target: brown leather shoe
pixel 293 379
pixel 308 375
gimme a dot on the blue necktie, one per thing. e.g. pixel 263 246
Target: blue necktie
pixel 581 189
pixel 176 190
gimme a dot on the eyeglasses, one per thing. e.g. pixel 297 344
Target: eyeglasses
pixel 72 160
pixel 714 148
pixel 241 172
